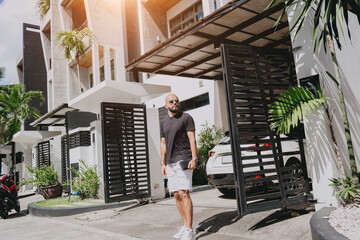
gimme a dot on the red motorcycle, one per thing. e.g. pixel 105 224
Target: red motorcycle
pixel 8 196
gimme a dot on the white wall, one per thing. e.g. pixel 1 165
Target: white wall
pixel 186 88
pixel 321 153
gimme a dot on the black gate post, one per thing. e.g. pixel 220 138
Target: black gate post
pixel 234 133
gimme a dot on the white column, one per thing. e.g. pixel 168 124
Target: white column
pixel 99 156
pixel 95 63
pixel 156 178
pixel 120 65
pixel 107 67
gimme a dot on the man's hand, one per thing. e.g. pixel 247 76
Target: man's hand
pixel 192 165
pixel 163 170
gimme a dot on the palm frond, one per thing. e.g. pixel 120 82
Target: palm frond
pixel 73 41
pixel 327 13
pixel 43 7
pixel 290 108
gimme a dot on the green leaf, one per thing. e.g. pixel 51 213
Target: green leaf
pixel 288 110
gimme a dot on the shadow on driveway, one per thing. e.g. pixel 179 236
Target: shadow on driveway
pixel 13 214
pixel 216 222
pixel 278 216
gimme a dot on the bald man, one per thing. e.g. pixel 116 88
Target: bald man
pixel 178 159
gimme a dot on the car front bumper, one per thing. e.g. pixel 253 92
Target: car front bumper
pixel 221 180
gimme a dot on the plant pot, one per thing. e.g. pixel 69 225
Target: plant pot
pixel 52 191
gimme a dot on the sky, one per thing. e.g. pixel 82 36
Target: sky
pixel 13 13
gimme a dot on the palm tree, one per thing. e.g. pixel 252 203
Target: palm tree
pixel 2 70
pixel 15 107
pixel 73 41
pixel 328 13
pixel 3 127
pixel 43 7
pixel 73 44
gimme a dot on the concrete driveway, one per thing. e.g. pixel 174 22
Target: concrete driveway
pixel 215 217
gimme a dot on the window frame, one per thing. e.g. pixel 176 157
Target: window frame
pixel 181 25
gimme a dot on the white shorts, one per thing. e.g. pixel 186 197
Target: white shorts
pixel 178 179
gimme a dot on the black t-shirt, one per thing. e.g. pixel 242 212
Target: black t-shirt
pixel 174 130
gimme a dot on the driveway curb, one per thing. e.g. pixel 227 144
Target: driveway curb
pixel 321 228
pixel 61 212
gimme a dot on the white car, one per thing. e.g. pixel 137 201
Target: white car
pixel 219 167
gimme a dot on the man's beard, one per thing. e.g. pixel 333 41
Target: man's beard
pixel 174 110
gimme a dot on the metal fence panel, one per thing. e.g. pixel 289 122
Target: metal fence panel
pixel 263 180
pixel 125 149
pixel 43 154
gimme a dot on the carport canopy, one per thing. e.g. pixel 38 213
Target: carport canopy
pixel 54 118
pixel 195 52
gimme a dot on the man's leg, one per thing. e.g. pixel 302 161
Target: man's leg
pixel 178 201
pixel 186 208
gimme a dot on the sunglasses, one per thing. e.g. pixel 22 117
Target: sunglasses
pixel 172 101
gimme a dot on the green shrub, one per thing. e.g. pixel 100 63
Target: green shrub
pixel 86 181
pixel 208 138
pixel 345 188
pixel 42 176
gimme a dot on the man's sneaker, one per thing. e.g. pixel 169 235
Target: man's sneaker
pixel 189 234
pixel 180 232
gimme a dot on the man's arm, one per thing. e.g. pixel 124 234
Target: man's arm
pixel 163 155
pixel 192 139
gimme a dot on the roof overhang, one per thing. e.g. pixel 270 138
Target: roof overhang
pixel 32 137
pixel 54 118
pixel 163 4
pixel 195 51
pixel 113 91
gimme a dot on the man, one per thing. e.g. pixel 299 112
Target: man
pixel 178 144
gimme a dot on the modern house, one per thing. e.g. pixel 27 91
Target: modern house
pixel 226 63
pixel 80 92
pixel 238 45
pixel 32 74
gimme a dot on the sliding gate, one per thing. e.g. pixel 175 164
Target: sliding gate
pixel 263 180
pixel 125 151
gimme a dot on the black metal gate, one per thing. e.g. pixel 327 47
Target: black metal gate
pixel 43 154
pixel 64 159
pixel 263 180
pixel 126 158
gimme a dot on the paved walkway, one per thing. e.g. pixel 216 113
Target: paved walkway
pixel 215 217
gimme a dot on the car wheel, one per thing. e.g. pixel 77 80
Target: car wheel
pixel 227 191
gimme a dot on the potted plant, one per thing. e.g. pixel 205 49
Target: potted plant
pixel 45 178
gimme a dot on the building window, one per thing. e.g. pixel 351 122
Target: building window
pixel 195 102
pixel 102 74
pixel 91 80
pixel 187 105
pixel 112 65
pixel 186 18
